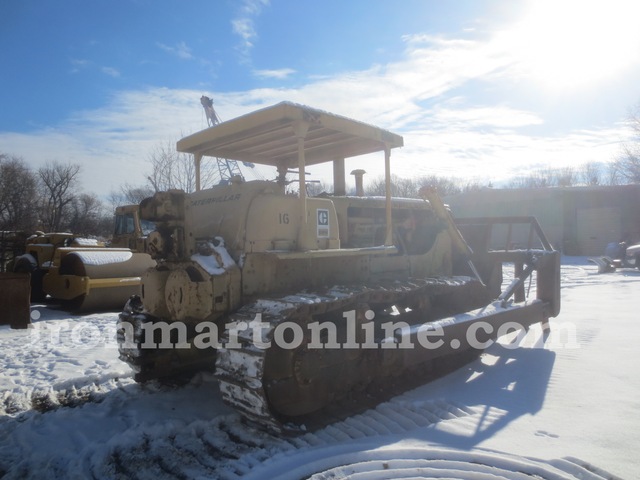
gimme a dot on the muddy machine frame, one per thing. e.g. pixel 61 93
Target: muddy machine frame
pixel 306 302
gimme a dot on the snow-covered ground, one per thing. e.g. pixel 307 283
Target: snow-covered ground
pixel 565 408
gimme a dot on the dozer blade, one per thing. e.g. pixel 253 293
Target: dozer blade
pixel 476 329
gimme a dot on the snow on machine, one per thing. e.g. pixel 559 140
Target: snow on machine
pixel 314 304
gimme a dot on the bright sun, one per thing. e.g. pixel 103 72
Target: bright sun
pixel 575 43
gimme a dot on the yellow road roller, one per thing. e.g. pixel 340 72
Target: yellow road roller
pixel 85 274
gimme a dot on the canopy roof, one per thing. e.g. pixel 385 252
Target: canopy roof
pixel 270 137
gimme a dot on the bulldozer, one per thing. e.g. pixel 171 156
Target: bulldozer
pixel 304 304
pixel 85 274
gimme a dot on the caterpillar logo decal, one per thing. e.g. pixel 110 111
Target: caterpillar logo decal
pixel 322 215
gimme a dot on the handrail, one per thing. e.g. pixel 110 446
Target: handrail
pixel 510 221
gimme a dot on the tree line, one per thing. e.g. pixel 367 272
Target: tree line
pixel 589 174
pixel 50 199
pixel 47 199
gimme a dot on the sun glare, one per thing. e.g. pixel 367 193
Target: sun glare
pixel 575 43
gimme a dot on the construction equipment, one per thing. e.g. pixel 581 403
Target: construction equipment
pixel 227 168
pixel 85 274
pixel 307 304
pixel 618 255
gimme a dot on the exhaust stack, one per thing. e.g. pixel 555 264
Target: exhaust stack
pixel 359 185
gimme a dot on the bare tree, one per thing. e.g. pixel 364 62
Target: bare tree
pixel 474 186
pixel 628 167
pixel 130 195
pixel 613 176
pixel 564 177
pixel 541 178
pixel 171 169
pixel 409 188
pixel 317 188
pixel 404 187
pixel 400 187
pixel 88 216
pixel 376 187
pixel 628 163
pixel 591 174
pixel 58 184
pixel 443 185
pixel 18 197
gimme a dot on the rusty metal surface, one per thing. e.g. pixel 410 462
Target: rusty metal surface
pixel 15 299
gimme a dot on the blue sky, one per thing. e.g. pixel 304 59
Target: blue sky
pixel 481 90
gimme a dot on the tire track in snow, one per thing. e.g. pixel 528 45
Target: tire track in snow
pixel 433 462
pixel 225 447
pixel 228 448
pixel 70 393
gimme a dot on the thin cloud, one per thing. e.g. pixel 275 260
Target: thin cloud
pixel 418 96
pixel 243 26
pixel 118 138
pixel 112 72
pixel 493 116
pixel 279 74
pixel 181 50
pixel 78 64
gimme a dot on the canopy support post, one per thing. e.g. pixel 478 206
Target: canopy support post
pixel 339 182
pixel 300 130
pixel 198 160
pixel 387 181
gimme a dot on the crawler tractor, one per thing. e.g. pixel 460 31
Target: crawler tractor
pixel 304 303
pixel 85 274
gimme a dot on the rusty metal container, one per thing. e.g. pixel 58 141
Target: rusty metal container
pixel 15 299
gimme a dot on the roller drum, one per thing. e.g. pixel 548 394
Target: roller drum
pixel 105 264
